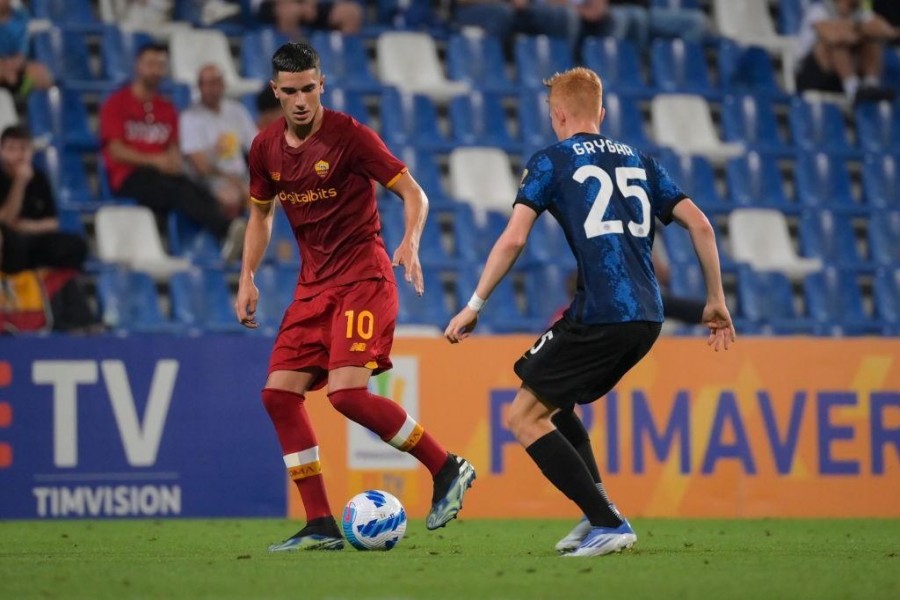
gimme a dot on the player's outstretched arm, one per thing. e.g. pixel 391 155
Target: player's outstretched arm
pixel 256 240
pixel 501 259
pixel 415 210
pixel 715 315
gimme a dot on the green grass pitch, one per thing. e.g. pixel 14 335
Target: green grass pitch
pixel 469 559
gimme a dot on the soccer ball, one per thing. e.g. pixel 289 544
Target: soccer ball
pixel 374 520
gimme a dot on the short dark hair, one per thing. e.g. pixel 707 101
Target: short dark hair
pixel 150 47
pixel 295 57
pixel 15 132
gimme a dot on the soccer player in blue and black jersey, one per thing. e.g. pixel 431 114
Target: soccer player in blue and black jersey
pixel 607 196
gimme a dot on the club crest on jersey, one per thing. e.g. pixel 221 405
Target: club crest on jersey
pixel 276 175
pixel 322 168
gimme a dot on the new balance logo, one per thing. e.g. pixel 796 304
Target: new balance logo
pixel 358 347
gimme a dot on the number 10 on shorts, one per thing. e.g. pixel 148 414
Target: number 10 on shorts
pixel 361 325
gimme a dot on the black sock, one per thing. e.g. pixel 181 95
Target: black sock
pixel 568 424
pixel 560 463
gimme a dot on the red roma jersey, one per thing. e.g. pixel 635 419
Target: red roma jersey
pixel 327 189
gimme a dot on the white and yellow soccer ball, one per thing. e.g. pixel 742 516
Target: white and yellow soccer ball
pixel 374 520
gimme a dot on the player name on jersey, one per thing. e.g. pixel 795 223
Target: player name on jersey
pixel 601 145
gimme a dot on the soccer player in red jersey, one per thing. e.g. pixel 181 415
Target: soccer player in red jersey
pixel 321 165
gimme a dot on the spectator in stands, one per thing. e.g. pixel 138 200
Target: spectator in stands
pixel 639 22
pixel 18 74
pixel 504 19
pixel 215 134
pixel 28 219
pixel 139 134
pixel 840 47
pixel 290 17
pixel 268 108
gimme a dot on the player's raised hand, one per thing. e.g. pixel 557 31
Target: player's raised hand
pixel 408 258
pixel 461 325
pixel 721 330
pixel 245 303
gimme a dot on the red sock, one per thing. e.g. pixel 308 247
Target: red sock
pixel 388 419
pixel 300 448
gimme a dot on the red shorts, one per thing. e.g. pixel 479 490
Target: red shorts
pixel 346 326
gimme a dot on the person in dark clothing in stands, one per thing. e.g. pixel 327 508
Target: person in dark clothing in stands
pixel 28 218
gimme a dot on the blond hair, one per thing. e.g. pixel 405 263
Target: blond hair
pixel 579 90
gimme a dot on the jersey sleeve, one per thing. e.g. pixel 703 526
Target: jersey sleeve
pixel 262 188
pixel 664 192
pixel 372 158
pixel 535 190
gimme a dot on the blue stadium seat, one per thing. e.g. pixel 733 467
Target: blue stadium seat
pixel 502 313
pixel 686 280
pixel 118 49
pixel 752 121
pixel 257 49
pixel 890 72
pixel 345 62
pixel 623 122
pixel 694 4
pixel 188 240
pixel 129 302
pixel 766 299
pixel 790 16
pixel 677 242
pixel 191 11
pixel 819 127
pixel 470 245
pixel 547 290
pixel 830 237
pixel 618 63
pixel 479 119
pixel 539 57
pixel 346 101
pixel 695 176
pixel 432 252
pixel 479 61
pixel 886 294
pixel 823 181
pixel 679 67
pixel 884 237
pixel 878 126
pixel 282 249
pixel 755 182
pixel 881 180
pixel 428 309
pixel 547 245
pixel 60 114
pixel 834 300
pixel 70 190
pixel 276 285
pixel 75 14
pixel 65 52
pixel 407 14
pixel 201 302
pixel 534 121
pixel 748 71
pixel 424 168
pixel 411 120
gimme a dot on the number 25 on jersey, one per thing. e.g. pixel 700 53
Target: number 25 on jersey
pixel 594 225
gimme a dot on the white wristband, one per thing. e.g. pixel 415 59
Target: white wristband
pixel 476 303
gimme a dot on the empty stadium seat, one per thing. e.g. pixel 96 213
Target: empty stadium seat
pixel 425 170
pixel 819 127
pixel 548 290
pixel 188 240
pixel 678 246
pixel 747 71
pixel 282 248
pixel 760 238
pixel 878 126
pixel 60 116
pixel 191 49
pixel 483 178
pixel 790 16
pixel 345 62
pixel 407 14
pixel 884 237
pixel 752 121
pixel 766 299
pixel 834 300
pixel 695 176
pixel 686 281
pixel 65 52
pixel 755 182
pixel 623 122
pixel 432 252
pixel 201 302
pixel 257 49
pixel 118 48
pixel 478 60
pixel 8 113
pixel 427 309
pixel 76 14
pixel 679 67
pixel 480 119
pixel 276 284
pixel 618 63
pixel 540 57
pixel 823 180
pixel 503 313
pixel 127 236
pixel 411 120
pixel 534 121
pixel 684 123
pixel 881 180
pixel 830 237
pixel 886 294
pixel 409 61
pixel 129 302
pixel 351 102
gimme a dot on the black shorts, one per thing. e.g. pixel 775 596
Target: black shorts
pixel 577 364
pixel 811 76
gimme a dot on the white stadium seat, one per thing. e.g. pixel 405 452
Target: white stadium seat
pixel 128 236
pixel 191 49
pixel 760 238
pixel 409 61
pixel 683 123
pixel 483 178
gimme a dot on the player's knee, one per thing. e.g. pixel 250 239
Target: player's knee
pixel 345 401
pixel 278 402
